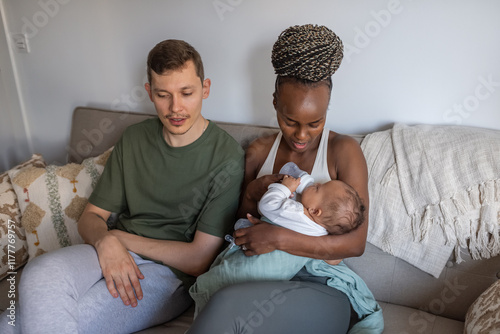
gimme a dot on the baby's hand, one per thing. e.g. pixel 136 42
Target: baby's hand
pixel 290 182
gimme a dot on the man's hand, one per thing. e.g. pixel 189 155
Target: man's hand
pixel 119 270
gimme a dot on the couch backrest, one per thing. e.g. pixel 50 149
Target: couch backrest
pixel 94 130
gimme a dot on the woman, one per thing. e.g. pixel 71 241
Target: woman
pixel 304 58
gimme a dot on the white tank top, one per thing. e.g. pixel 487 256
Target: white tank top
pixel 320 168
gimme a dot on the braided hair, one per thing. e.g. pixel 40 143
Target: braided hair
pixel 307 53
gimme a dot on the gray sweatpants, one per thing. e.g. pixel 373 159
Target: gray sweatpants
pixel 64 292
pixel 291 307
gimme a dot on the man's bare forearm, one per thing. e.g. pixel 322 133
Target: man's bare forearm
pixel 193 258
pixel 92 224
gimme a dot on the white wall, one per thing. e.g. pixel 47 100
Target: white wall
pixel 411 61
pixel 14 137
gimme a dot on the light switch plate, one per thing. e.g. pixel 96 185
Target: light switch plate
pixel 21 43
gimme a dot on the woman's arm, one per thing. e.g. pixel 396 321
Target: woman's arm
pixel 253 189
pixel 264 238
pixel 346 163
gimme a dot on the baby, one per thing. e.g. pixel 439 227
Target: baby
pixel 330 208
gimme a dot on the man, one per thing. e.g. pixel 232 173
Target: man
pixel 175 180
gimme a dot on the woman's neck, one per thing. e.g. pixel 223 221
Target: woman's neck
pixel 305 160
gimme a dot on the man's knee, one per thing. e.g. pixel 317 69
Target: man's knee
pixel 52 265
pixel 36 270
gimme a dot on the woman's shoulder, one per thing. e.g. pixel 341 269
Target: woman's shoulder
pixel 257 151
pixel 346 162
pixel 344 148
pixel 338 140
pixel 262 145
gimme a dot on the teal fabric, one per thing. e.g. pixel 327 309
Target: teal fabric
pixel 364 304
pixel 233 266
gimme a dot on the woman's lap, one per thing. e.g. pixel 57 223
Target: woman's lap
pixel 275 307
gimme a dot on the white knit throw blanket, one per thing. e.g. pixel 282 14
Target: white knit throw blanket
pixel 447 178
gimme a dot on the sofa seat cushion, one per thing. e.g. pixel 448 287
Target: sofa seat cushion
pixel 402 319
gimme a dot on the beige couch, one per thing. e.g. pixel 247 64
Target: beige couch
pixel 412 300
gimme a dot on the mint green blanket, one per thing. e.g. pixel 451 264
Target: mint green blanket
pixel 233 266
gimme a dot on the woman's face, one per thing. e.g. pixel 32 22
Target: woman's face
pixel 301 113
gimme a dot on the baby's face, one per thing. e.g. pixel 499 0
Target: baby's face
pixel 315 195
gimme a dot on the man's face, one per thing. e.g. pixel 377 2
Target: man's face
pixel 177 96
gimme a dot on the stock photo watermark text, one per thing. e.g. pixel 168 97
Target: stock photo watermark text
pixel 460 111
pixel 11 275
pixel 372 29
pixel 49 9
pixel 422 319
pixel 223 6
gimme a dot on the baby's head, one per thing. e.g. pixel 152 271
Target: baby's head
pixel 335 205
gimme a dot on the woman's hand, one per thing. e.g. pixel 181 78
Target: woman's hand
pixel 257 188
pixel 254 191
pixel 258 239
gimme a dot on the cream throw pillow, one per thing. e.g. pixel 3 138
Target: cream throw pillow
pixel 13 245
pixel 483 316
pixel 52 199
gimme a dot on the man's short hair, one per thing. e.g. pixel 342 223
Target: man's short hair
pixel 172 54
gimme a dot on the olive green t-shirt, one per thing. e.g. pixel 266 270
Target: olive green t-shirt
pixel 168 193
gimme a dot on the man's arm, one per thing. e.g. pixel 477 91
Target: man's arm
pixel 118 267
pixel 193 258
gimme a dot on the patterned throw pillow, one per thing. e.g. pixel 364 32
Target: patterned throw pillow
pixel 52 199
pixel 483 316
pixel 13 245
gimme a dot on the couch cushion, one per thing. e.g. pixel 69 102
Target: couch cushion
pixel 401 319
pixel 52 199
pixel 13 245
pixel 395 281
pixel 94 130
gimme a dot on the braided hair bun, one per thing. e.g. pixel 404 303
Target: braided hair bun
pixel 309 52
